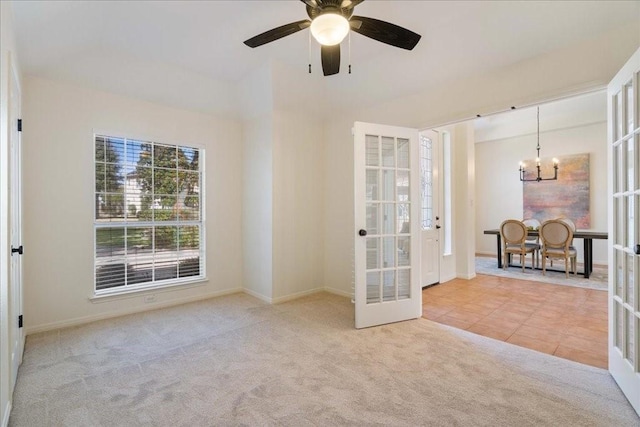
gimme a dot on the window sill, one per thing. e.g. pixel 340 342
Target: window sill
pixel 137 292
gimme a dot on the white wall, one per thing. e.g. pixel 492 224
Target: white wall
pixel 257 186
pixel 298 164
pixel 463 203
pixel 58 198
pixel 8 59
pixel 283 205
pixel 500 191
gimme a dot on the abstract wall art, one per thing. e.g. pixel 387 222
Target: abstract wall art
pixel 568 196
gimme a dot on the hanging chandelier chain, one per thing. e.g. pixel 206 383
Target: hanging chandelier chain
pixel 538 178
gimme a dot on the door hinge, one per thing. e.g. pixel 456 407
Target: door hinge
pixel 20 321
pixel 19 125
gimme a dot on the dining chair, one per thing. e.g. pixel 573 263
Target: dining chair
pixel 514 241
pixel 556 236
pixel 533 224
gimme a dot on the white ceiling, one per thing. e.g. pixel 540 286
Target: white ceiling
pixel 190 54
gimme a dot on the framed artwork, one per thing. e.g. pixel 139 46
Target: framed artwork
pixel 568 196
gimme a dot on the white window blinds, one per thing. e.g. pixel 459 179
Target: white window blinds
pixel 148 214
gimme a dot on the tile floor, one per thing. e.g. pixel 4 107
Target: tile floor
pixel 565 321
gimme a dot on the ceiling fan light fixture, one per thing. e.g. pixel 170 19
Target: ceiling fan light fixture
pixel 329 29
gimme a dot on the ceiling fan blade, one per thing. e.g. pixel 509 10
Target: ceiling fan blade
pixel 277 33
pixel 310 3
pixel 330 59
pixel 350 4
pixel 385 32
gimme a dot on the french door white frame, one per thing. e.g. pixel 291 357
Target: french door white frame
pixel 387 224
pixel 16 334
pixel 623 105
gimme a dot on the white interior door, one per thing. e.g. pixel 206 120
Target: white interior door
pixel 430 207
pixel 16 336
pixel 624 233
pixel 387 222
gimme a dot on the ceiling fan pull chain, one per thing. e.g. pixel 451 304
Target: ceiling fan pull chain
pixel 349 52
pixel 309 52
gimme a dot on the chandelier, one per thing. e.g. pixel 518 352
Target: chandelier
pixel 539 178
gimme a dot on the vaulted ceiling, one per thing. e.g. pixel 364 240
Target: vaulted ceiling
pixel 190 53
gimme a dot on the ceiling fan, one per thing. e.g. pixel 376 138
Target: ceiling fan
pixel 330 23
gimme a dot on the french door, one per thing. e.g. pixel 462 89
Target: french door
pixel 16 336
pixel 624 234
pixel 387 224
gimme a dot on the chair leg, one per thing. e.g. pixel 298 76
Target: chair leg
pixel 522 261
pixel 544 265
pixel 566 267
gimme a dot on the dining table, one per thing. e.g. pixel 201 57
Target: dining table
pixel 586 235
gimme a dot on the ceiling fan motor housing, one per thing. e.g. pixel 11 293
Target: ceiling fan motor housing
pixel 329 6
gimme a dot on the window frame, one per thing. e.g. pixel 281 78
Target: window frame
pixel 152 223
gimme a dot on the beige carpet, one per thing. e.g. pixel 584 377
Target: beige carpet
pixel 237 361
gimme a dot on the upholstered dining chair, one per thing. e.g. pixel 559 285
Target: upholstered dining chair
pixel 514 241
pixel 533 224
pixel 556 236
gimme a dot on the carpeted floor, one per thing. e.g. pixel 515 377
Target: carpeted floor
pixel 236 361
pixel 597 279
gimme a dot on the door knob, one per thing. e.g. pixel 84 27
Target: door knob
pixel 362 233
pixel 17 250
pixel 637 250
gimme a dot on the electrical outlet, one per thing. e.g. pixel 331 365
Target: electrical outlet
pixel 149 298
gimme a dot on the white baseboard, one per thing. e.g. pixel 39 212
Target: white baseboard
pixel 339 292
pixel 147 307
pixel 255 294
pixel 447 278
pixel 466 276
pixel 297 295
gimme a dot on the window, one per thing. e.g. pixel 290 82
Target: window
pixel 148 214
pixel 426 181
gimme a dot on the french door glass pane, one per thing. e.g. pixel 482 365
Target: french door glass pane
pixel 617 160
pixel 630 223
pixel 630 279
pixel 618 237
pixel 404 290
pixel 619 319
pixel 618 115
pixel 629 92
pixel 388 185
pixel 404 214
pixel 619 257
pixel 372 184
pixel 630 165
pixel 373 253
pixel 389 218
pixel 388 252
pixel 373 287
pixel 403 153
pixel 372 150
pixel 403 186
pixel 389 285
pixel 630 337
pixel 388 152
pixel 404 251
pixel 373 218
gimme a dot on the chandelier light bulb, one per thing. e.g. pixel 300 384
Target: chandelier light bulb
pixel 329 29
